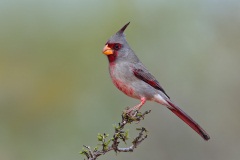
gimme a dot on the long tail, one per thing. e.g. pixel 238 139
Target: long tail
pixel 188 120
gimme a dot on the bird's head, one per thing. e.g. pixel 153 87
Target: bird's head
pixel 117 46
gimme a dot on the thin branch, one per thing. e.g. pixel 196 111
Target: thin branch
pixel 120 135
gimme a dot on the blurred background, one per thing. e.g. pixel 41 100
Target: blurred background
pixel 56 93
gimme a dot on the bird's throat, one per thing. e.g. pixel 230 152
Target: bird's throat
pixel 112 57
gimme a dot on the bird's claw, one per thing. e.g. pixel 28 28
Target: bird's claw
pixel 131 112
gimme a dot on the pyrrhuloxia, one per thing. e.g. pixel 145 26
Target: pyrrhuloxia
pixel 131 77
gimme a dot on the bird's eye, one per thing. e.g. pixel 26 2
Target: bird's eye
pixel 116 46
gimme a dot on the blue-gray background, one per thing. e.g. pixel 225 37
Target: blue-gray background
pixel 55 90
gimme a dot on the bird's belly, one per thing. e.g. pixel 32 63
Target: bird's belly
pixel 125 88
pixel 121 77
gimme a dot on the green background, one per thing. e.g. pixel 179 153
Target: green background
pixel 56 93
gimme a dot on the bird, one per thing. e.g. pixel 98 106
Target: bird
pixel 131 77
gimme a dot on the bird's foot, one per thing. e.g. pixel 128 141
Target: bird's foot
pixel 131 111
pixel 134 110
pixel 133 115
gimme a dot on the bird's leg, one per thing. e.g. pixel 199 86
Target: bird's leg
pixel 137 107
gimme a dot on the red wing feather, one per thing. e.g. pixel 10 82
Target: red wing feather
pixel 145 76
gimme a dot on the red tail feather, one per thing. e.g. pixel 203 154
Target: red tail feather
pixel 188 120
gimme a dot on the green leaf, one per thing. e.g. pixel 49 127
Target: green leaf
pixel 100 137
pixel 84 152
pixel 95 148
pixel 126 135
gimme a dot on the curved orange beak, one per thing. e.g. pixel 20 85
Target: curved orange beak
pixel 106 50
